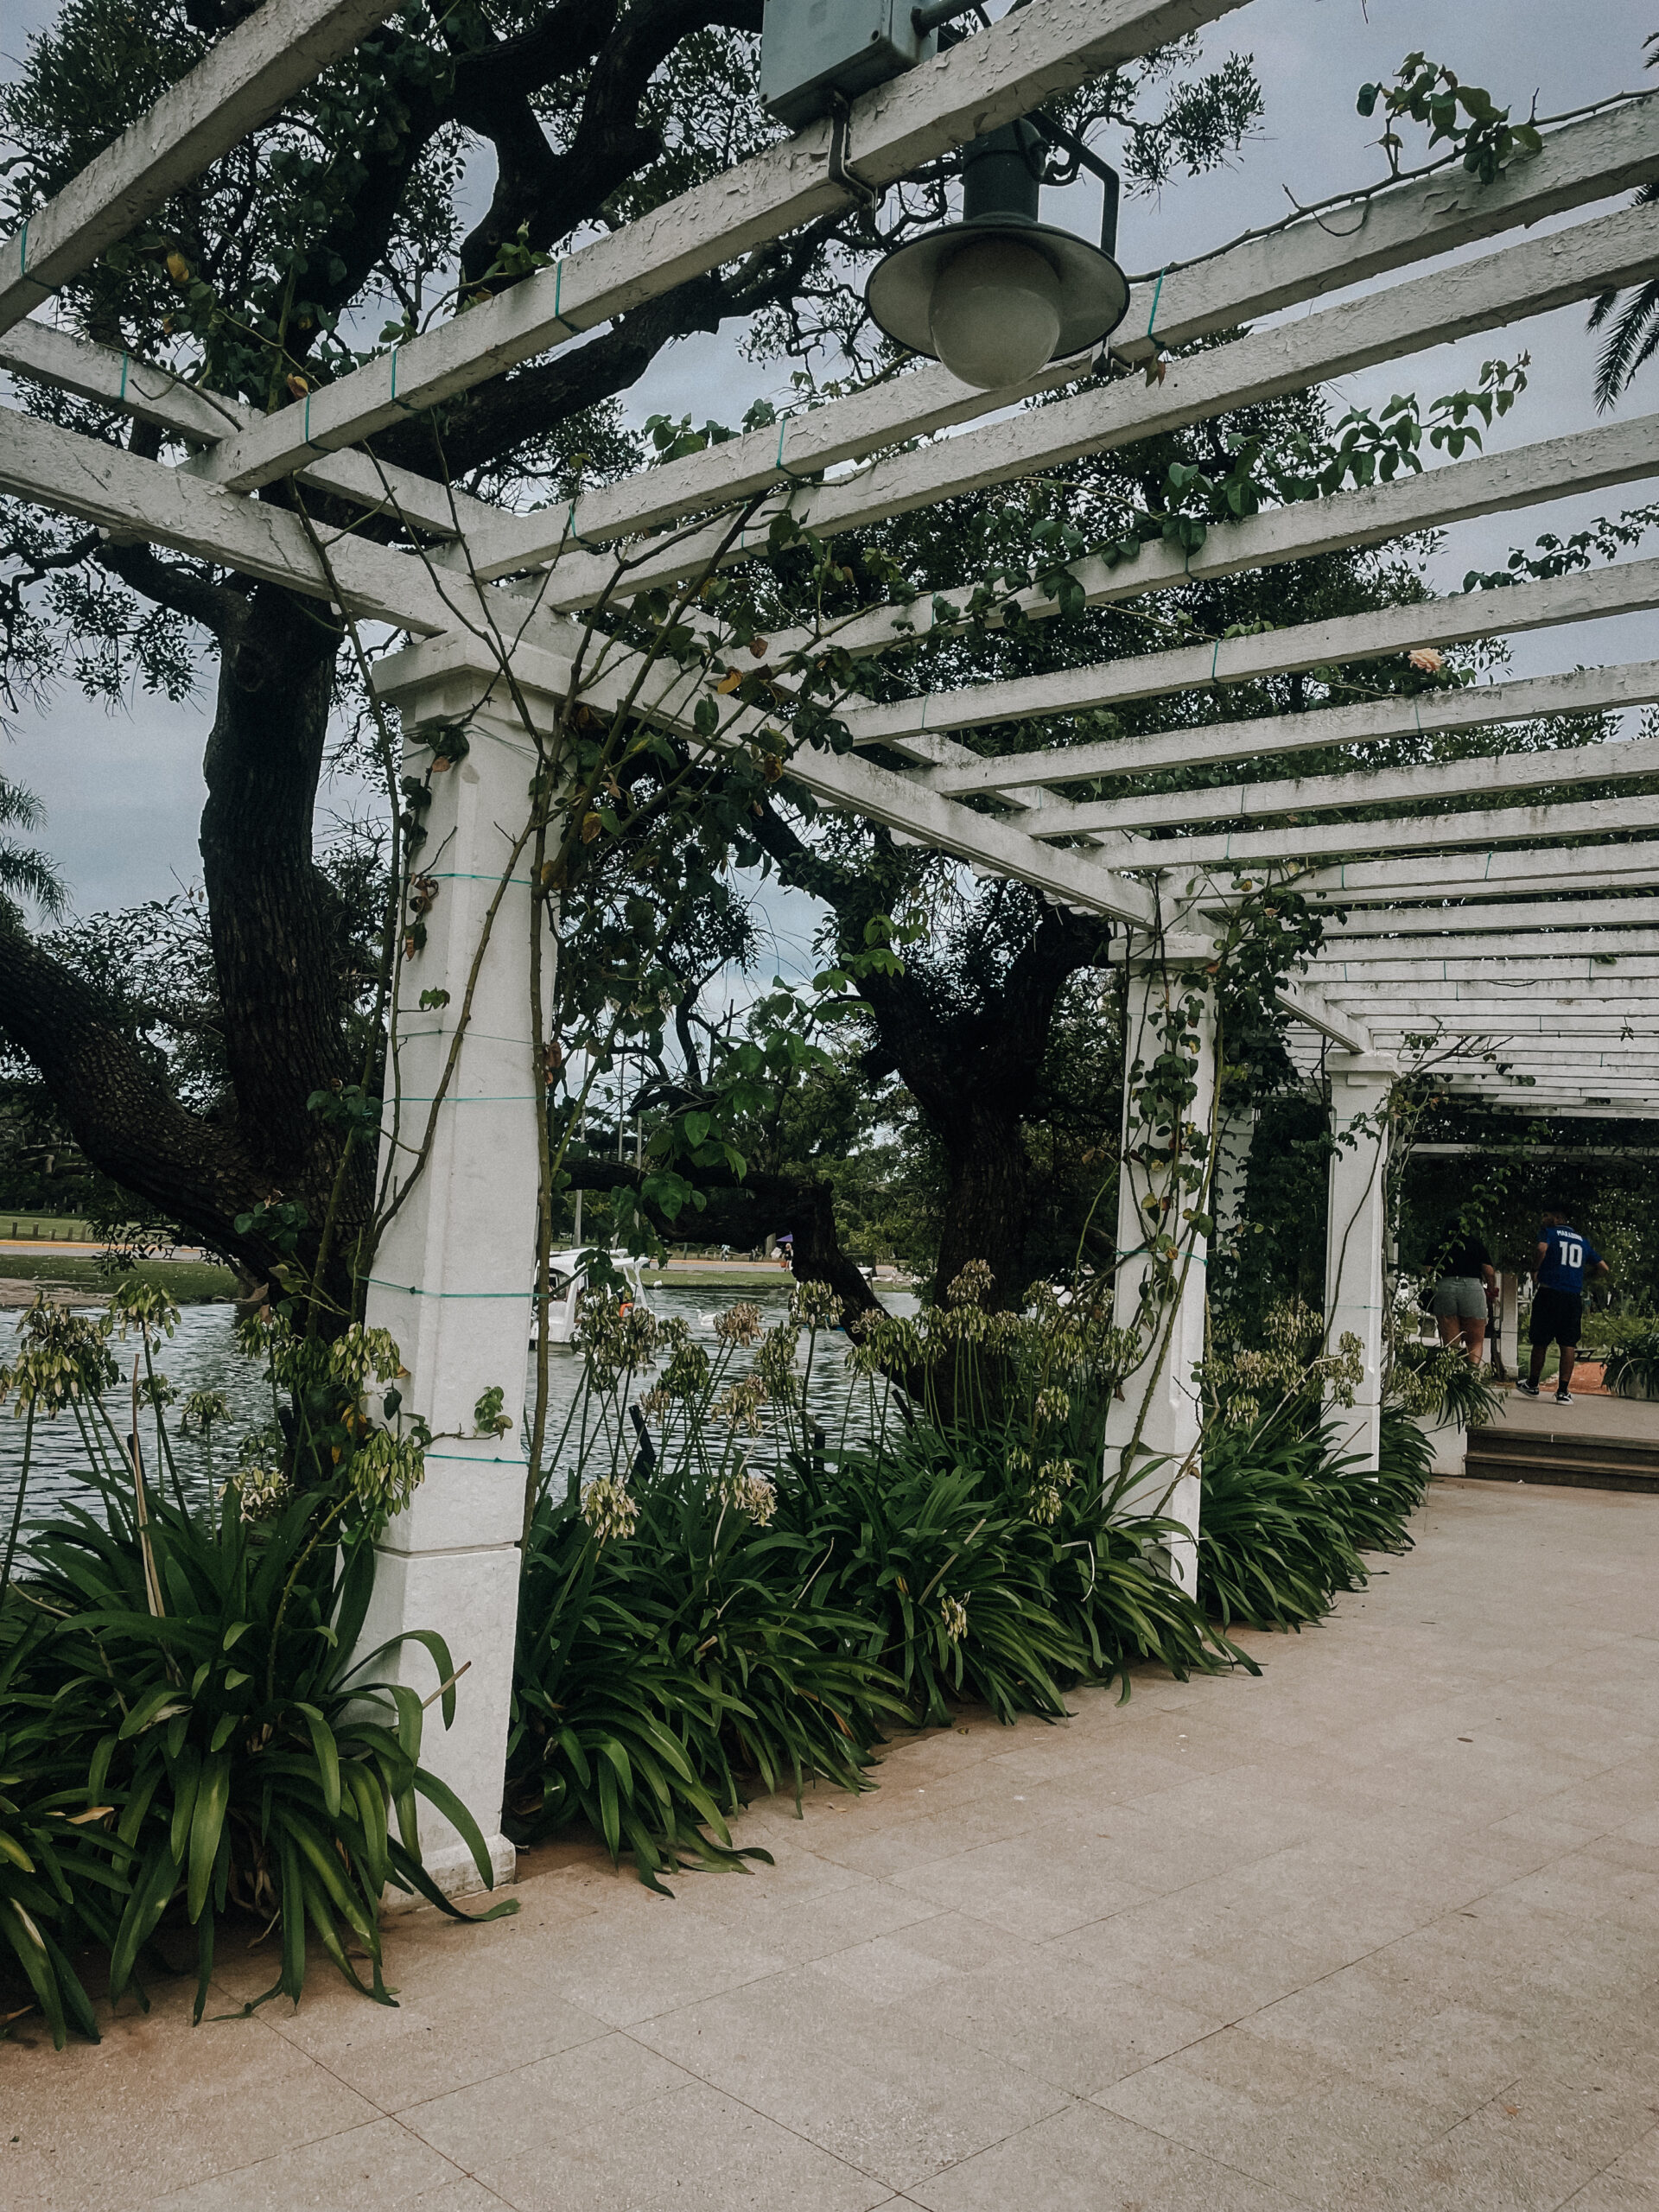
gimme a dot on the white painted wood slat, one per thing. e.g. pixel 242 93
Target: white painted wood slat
pixel 243 78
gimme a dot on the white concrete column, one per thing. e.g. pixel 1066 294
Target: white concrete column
pixel 1234 1138
pixel 1160 1415
pixel 453 1276
pixel 1508 1321
pixel 1355 1281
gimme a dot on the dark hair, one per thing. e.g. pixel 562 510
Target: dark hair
pixel 1555 1206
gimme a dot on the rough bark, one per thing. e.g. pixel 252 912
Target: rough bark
pixel 969 1051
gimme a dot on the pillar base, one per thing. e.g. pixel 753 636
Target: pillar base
pixel 455 1871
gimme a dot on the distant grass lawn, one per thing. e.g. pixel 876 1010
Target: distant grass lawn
pixel 15 1223
pixel 187 1282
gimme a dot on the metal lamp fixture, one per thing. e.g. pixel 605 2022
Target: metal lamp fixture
pixel 1001 294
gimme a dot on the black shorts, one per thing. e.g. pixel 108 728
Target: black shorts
pixel 1557 1316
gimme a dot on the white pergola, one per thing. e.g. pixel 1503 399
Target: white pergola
pixel 1453 928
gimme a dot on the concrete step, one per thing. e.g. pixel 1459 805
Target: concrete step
pixel 1502 1454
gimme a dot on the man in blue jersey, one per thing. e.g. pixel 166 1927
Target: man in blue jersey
pixel 1558 1270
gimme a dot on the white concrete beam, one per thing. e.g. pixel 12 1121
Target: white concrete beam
pixel 242 80
pixel 1305 1003
pixel 1621 588
pixel 1584 161
pixel 858 786
pixel 156 395
pixel 1507 287
pixel 1028 58
pixel 1273 796
pixel 132 497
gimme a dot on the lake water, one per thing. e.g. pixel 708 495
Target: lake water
pixel 202 1355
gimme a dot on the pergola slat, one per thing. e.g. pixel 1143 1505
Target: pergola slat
pixel 1528 279
pixel 1401 833
pixel 1547 869
pixel 1622 587
pixel 154 395
pixel 1022 60
pixel 243 78
pixel 1544 959
pixel 1549 918
pixel 1579 163
pixel 1583 691
pixel 1494 774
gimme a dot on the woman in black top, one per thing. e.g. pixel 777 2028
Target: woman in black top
pixel 1465 1272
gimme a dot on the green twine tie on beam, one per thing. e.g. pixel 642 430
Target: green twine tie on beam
pixel 780 464
pixel 1157 294
pixel 571 531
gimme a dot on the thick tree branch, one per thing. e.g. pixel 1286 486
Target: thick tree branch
pixel 114 1095
pixel 218 608
pixel 747 1213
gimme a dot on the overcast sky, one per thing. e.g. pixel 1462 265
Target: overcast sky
pixel 123 789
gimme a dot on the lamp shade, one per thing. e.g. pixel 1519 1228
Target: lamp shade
pixel 927 294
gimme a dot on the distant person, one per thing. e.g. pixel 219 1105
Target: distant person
pixel 1558 1269
pixel 1465 1272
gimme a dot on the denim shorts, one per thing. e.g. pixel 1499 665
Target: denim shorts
pixel 1459 1298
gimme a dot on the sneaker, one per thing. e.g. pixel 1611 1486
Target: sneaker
pixel 1563 1397
pixel 1527 1389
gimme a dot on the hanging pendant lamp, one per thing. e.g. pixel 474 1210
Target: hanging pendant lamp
pixel 1001 294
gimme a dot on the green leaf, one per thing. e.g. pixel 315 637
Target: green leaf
pixel 207 1827
pixel 160 1703
pixel 327 1752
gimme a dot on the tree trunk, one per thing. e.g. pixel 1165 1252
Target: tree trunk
pixel 282 964
pixel 987 1194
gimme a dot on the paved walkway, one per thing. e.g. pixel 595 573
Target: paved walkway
pixel 1592 1414
pixel 1379 1929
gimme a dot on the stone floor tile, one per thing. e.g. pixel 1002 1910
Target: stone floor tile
pixel 381 2163
pixel 1052 2018
pixel 157 2104
pixel 1038 1885
pixel 885 1970
pixel 795 1927
pixel 623 1974
pixel 1593 2111
pixel 1468 2171
pixel 1630 2184
pixel 693 2149
pixel 1401 2038
pixel 1087 2160
pixel 457 2020
pixel 1285 2114
pixel 896 2097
